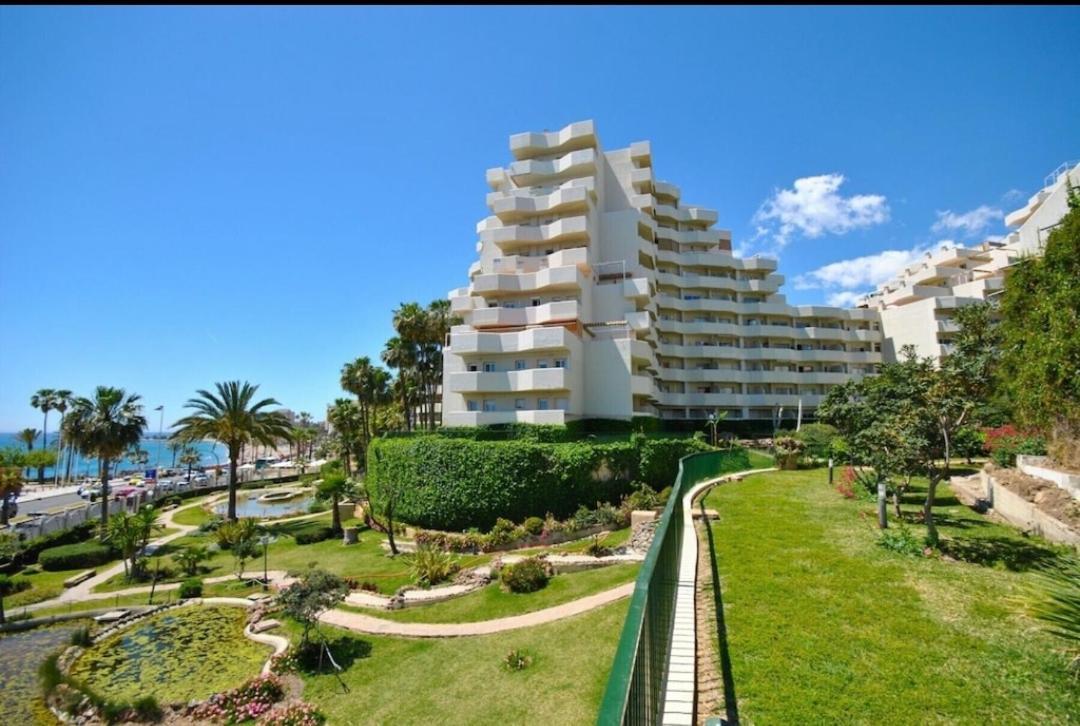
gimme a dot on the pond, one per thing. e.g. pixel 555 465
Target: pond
pixel 248 504
pixel 180 655
pixel 20 656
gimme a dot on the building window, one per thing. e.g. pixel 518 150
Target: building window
pixel 519 404
pixel 489 367
pixel 541 363
pixel 542 404
pixel 561 404
pixel 489 405
pixel 470 405
pixel 560 363
pixel 472 368
pixel 519 365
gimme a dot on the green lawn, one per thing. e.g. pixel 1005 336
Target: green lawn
pixel 760 459
pixel 491 602
pixel 220 589
pixel 192 516
pixel 366 560
pixel 826 626
pixel 462 680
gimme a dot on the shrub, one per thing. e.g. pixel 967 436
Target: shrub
pixel 81 637
pixel 447 483
pixel 533 525
pixel 313 535
pixel 528 575
pixel 430 566
pixel 788 451
pixel 293 714
pixel 249 701
pixel 846 484
pixel 1005 442
pixel 900 540
pixel 73 556
pixel 146 708
pixel 502 533
pixel 190 558
pixel 643 497
pixel 595 549
pixel 191 587
pixel 817 439
pixel 517 660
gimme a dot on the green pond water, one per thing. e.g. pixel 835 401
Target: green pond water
pixel 178 656
pixel 20 656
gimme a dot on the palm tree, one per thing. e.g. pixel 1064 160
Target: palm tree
pixel 44 400
pixel 105 427
pixel 28 437
pixel 63 401
pixel 400 355
pixel 344 416
pixel 189 457
pixel 232 418
pixel 175 447
pixel 371 386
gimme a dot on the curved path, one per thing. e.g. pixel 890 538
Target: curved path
pixel 377 626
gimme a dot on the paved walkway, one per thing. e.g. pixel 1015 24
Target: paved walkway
pixel 378 626
pixel 681 675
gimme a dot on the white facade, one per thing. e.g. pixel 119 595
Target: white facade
pixel 599 294
pixel 917 307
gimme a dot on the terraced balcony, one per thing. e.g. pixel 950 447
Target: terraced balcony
pixel 560 232
pixel 465 342
pixel 537 379
pixel 571 137
pixel 553 312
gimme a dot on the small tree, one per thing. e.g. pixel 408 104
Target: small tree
pixel 11 482
pixel 10 586
pixel 334 486
pixel 240 537
pixel 190 558
pixel 124 533
pixel 309 597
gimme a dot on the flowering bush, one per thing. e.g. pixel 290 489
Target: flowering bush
pixel 285 662
pixel 246 702
pixel 846 485
pixel 294 714
pixel 1005 442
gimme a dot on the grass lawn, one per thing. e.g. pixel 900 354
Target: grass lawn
pixel 192 516
pixel 491 602
pixel 463 681
pixel 161 597
pixel 826 626
pixel 760 459
pixel 366 560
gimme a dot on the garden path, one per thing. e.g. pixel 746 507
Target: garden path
pixel 377 626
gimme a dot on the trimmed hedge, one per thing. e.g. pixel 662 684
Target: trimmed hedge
pixel 450 483
pixel 311 535
pixel 73 556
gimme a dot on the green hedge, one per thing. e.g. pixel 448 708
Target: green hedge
pixel 73 556
pixel 452 483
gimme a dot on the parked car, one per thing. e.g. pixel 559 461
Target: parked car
pixel 200 478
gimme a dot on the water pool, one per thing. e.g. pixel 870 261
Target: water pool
pixel 178 656
pixel 248 504
pixel 21 654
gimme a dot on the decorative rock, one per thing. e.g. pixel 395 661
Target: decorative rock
pixel 642 538
pixel 639 517
pixel 264 625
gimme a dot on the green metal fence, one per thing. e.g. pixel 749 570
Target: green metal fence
pixel 634 692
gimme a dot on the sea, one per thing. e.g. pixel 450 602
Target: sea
pixel 161 455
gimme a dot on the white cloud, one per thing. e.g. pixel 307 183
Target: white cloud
pixel 844 298
pixel 967 223
pixel 813 207
pixel 1012 196
pixel 846 281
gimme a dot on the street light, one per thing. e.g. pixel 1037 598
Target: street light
pixel 265 540
pixel 160 431
pixel 712 423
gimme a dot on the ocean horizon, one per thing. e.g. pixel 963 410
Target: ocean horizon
pixel 160 455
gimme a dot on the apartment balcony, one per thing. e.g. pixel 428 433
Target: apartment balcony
pixel 641 351
pixel 641 179
pixel 636 288
pixel 548 313
pixel 980 288
pixel 562 231
pixel 538 379
pixel 639 321
pixel 569 277
pixel 724 375
pixel 910 293
pixel 770 284
pixel 664 189
pixel 518 264
pixel 643 386
pixel 580 135
pixel 464 341
pixel 487 418
pixel 641 153
pixel 515 206
pixel 462 304
pixel 779 355
pixel 724 400
pixel 696 236
pixel 575 164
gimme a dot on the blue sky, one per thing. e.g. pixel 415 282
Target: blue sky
pixel 192 195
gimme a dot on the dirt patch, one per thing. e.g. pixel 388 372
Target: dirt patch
pixel 1048 498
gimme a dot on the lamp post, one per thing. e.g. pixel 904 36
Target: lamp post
pixel 160 432
pixel 712 424
pixel 265 540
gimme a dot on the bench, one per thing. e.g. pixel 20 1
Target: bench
pixel 79 578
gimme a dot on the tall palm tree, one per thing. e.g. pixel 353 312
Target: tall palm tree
pixel 232 417
pixel 189 457
pixel 63 401
pixel 44 400
pixel 28 437
pixel 344 416
pixel 401 356
pixel 105 426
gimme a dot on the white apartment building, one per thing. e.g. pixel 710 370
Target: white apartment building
pixel 918 306
pixel 598 293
